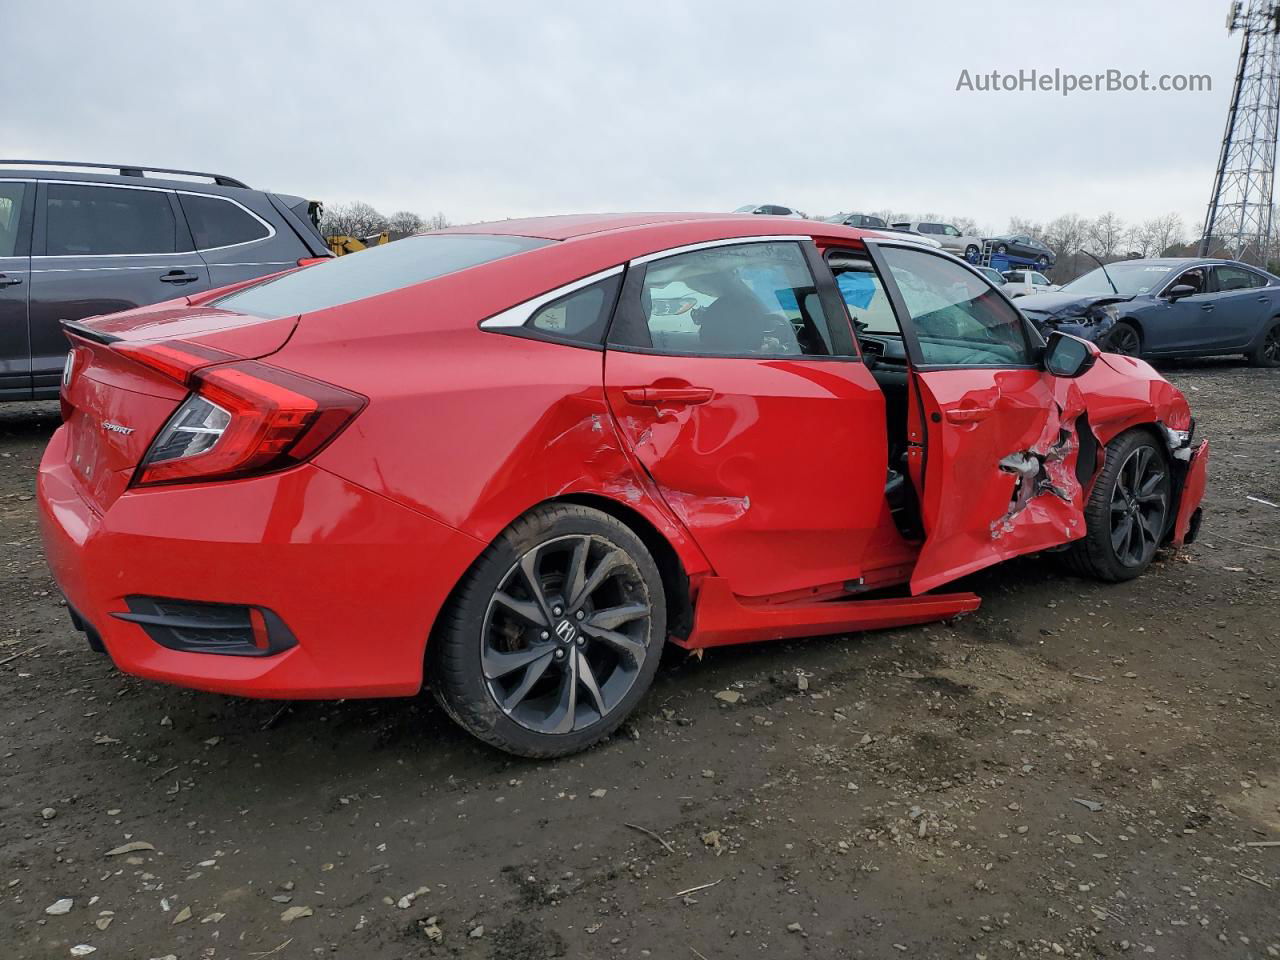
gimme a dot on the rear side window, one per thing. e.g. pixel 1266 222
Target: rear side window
pixel 216 222
pixel 371 272
pixel 89 221
pixel 578 317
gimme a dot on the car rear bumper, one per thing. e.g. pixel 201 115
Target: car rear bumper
pixel 356 578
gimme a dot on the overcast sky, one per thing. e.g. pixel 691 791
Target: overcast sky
pixel 491 109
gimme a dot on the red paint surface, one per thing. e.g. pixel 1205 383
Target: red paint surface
pixel 766 480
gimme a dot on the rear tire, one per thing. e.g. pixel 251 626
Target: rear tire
pixel 971 253
pixel 553 636
pixel 1267 352
pixel 1127 515
pixel 1124 338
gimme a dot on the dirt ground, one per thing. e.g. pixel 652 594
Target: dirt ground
pixel 1077 769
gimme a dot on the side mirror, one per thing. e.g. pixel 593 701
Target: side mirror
pixel 1180 291
pixel 1068 356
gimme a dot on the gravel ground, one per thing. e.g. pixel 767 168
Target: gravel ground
pixel 1078 770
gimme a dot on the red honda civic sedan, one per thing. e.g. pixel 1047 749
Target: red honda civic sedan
pixel 515 460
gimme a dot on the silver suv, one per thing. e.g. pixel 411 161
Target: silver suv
pixel 952 240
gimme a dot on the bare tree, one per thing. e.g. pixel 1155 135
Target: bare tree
pixel 1017 225
pixel 1167 231
pixel 402 223
pixel 1105 235
pixel 1065 235
pixel 438 221
pixel 356 219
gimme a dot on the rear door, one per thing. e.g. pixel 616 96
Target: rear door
pixel 101 248
pixel 1240 300
pixel 994 435
pixel 752 412
pixel 17 198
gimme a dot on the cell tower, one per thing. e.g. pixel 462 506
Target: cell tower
pixel 1239 219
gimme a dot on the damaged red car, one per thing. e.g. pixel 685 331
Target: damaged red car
pixel 513 461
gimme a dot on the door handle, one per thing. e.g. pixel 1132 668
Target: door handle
pixel 969 414
pixel 652 396
pixel 1206 306
pixel 9 281
pixel 178 276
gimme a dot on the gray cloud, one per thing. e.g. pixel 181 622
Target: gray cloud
pixel 508 109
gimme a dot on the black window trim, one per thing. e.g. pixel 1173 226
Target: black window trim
pixel 526 332
pixel 1035 343
pixel 824 285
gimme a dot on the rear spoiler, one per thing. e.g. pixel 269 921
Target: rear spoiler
pixel 88 333
pixel 302 226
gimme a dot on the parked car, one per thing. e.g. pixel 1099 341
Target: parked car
pixel 917 238
pixel 950 237
pixel 1024 247
pixel 1020 283
pixel 859 220
pixel 1169 307
pixel 770 210
pixel 106 238
pixel 481 454
pixel 995 276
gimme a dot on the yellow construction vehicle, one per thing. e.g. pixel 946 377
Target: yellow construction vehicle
pixel 340 244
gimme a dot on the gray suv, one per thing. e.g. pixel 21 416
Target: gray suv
pixel 79 244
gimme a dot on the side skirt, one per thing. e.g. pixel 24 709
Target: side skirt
pixel 720 618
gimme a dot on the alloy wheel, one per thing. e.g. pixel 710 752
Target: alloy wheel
pixel 566 633
pixel 1139 506
pixel 1124 340
pixel 971 254
pixel 1271 346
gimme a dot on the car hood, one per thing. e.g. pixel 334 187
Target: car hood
pixel 1056 306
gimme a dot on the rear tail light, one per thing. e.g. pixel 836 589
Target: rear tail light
pixel 243 418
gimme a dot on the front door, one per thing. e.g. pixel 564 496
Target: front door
pixel 994 435
pixel 101 249
pixel 1180 324
pixel 16 201
pixel 743 397
pixel 1240 301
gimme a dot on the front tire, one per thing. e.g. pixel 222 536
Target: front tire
pixel 971 253
pixel 1042 263
pixel 553 636
pixel 1267 352
pixel 1002 249
pixel 1123 339
pixel 1128 511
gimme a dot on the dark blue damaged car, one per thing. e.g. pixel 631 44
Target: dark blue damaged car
pixel 1171 307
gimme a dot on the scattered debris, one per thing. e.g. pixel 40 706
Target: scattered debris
pixel 704 886
pixel 1091 805
pixel 729 696
pixel 133 846
pixel 295 913
pixel 60 907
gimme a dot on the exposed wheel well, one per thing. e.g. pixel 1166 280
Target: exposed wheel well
pixel 675 580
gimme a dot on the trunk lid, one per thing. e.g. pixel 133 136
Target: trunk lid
pixel 114 405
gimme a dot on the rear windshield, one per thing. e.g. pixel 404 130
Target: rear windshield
pixel 368 273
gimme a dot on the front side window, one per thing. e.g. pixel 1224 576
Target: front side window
pixel 863 294
pixel 216 222
pixel 10 212
pixel 950 231
pixel 959 320
pixel 746 300
pixel 1197 278
pixel 92 221
pixel 378 270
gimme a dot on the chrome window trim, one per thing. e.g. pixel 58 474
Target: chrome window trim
pixel 708 244
pixel 271 231
pixel 521 313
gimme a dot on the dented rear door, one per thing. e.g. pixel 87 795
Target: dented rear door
pixel 737 387
pixel 994 439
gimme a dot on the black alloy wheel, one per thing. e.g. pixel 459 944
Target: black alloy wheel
pixel 1139 506
pixel 1267 353
pixel 1124 339
pixel 1043 263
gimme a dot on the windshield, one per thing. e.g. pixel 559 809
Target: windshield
pixel 368 273
pixel 748 208
pixel 1132 278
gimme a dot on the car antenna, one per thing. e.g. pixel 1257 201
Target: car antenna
pixel 1104 271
